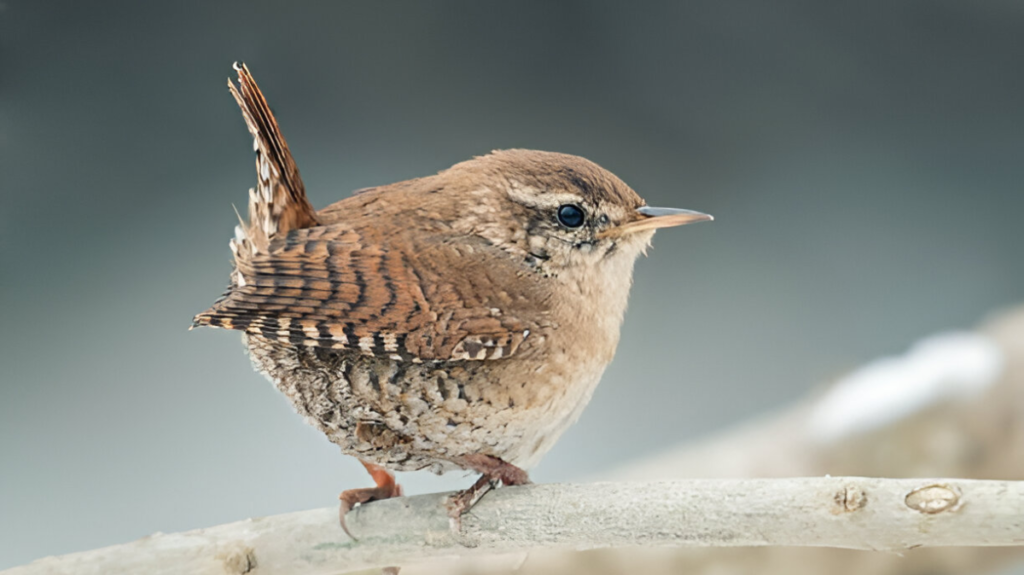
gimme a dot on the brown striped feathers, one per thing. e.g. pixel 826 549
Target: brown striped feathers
pixel 343 280
pixel 332 287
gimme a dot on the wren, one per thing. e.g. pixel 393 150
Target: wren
pixel 456 321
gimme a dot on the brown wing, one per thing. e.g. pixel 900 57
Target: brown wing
pixel 334 287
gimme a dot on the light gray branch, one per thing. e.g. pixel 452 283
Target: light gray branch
pixel 847 512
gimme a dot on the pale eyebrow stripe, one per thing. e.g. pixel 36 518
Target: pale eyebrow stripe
pixel 530 196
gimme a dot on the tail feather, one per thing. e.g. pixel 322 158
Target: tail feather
pixel 278 203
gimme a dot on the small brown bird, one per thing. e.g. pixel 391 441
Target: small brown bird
pixel 456 321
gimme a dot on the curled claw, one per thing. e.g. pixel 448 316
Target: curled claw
pixel 494 470
pixel 386 488
pixel 464 500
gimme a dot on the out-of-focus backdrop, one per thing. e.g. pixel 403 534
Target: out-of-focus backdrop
pixel 865 164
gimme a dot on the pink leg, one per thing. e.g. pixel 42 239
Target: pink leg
pixel 386 488
pixel 493 470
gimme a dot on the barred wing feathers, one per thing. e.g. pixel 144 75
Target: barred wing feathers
pixel 328 287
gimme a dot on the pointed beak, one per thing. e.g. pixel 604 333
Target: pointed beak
pixel 654 218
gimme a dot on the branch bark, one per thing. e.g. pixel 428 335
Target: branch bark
pixel 847 512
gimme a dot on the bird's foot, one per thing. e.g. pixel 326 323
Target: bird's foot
pixel 386 488
pixel 462 501
pixel 493 471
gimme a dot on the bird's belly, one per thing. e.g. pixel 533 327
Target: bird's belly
pixel 407 416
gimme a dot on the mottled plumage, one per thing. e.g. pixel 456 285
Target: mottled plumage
pixel 459 320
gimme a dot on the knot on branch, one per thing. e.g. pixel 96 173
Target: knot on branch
pixel 933 499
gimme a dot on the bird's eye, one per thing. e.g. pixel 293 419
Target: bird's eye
pixel 570 216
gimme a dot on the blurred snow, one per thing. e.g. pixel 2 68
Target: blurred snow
pixel 939 368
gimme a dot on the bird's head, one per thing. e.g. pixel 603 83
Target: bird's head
pixel 563 214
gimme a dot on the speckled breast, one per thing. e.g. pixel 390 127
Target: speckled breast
pixel 408 416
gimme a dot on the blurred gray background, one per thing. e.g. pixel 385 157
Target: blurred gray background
pixel 865 163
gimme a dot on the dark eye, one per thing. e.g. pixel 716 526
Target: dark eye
pixel 571 216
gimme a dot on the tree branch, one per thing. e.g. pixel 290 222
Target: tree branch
pixel 847 512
